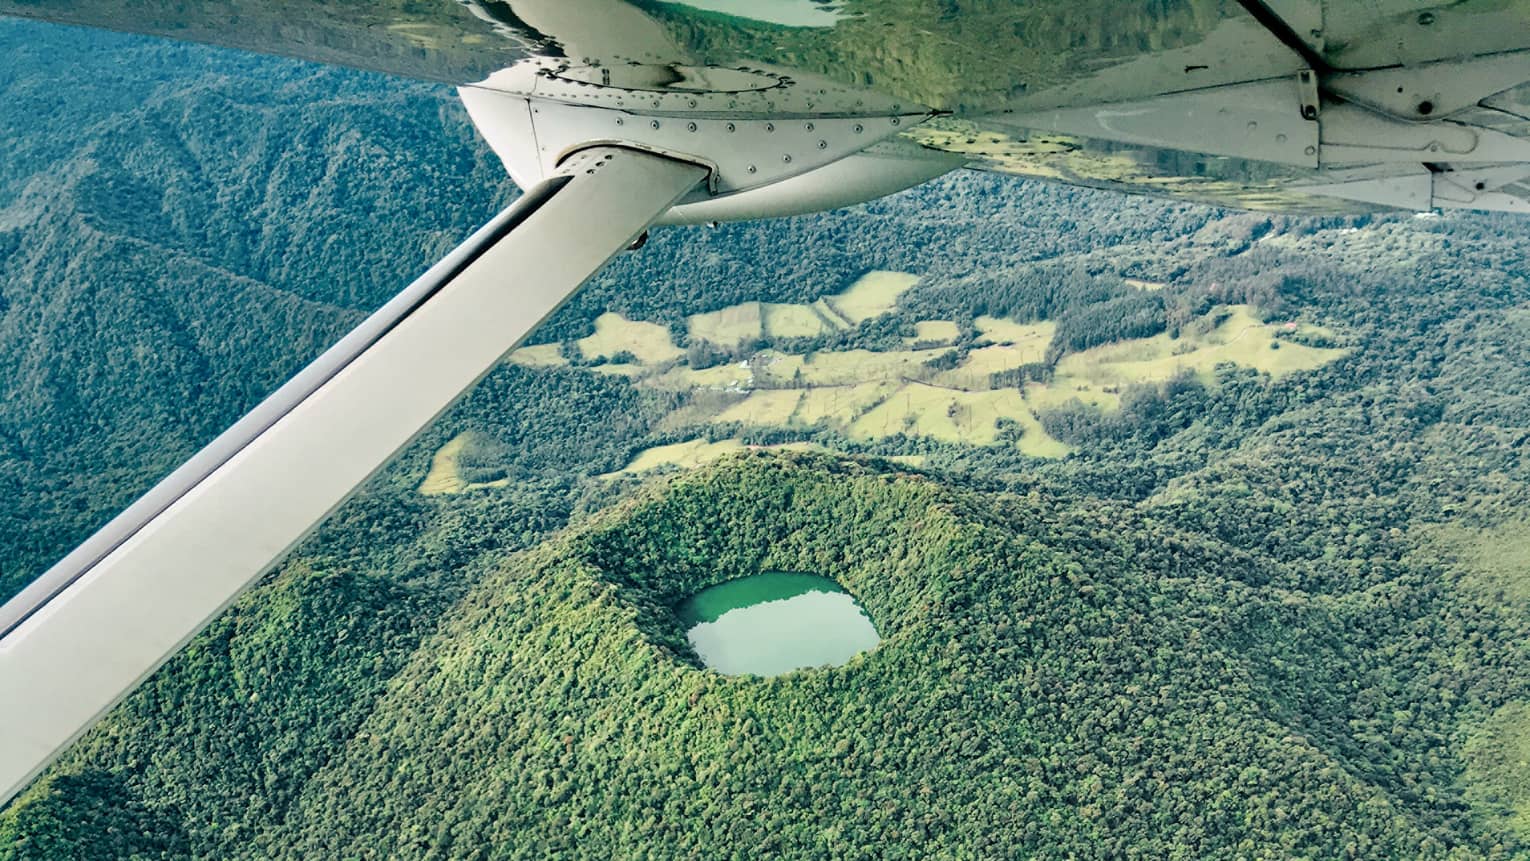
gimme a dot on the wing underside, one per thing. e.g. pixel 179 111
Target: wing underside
pixel 1312 106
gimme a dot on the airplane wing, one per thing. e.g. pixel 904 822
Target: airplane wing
pixel 1309 106
pixel 615 114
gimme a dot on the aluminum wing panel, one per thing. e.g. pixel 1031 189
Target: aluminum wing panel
pixel 1218 79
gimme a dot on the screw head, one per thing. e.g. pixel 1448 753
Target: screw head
pixel 823 144
pixel 690 127
pixel 786 159
pixel 753 169
pixel 731 127
pixel 770 127
pixel 654 124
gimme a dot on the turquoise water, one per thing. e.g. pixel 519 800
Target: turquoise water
pixel 775 622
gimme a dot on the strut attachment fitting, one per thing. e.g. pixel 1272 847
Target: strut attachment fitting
pixel 776 145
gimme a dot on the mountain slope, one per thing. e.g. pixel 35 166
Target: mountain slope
pixel 1042 689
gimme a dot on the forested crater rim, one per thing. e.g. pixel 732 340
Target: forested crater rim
pixel 879 537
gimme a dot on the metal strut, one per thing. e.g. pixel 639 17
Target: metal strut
pixel 87 632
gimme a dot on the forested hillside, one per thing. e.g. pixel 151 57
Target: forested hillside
pixel 1240 608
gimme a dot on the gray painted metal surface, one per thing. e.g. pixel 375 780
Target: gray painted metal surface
pixel 1257 104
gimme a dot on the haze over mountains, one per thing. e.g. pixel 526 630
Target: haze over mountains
pixel 1245 617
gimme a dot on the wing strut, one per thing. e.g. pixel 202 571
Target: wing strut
pixel 94 626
